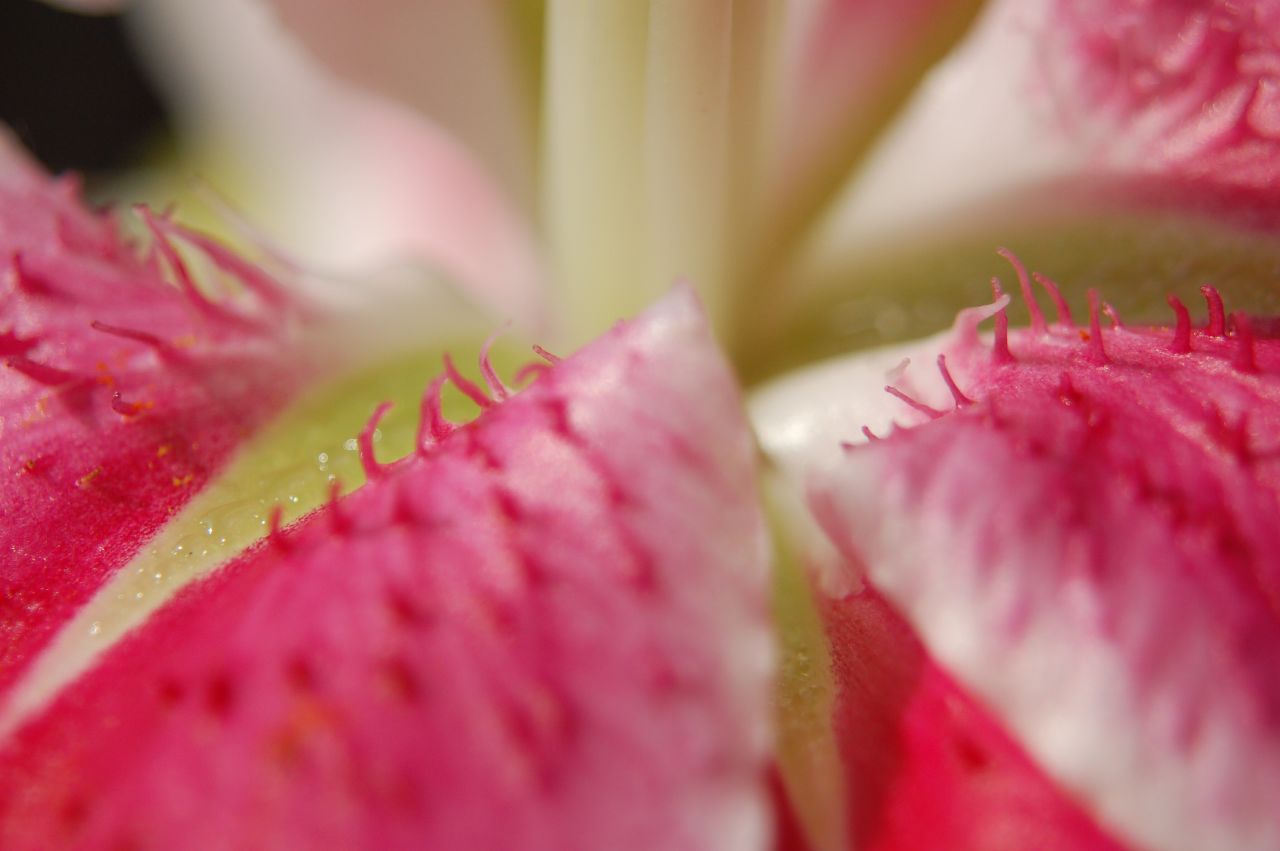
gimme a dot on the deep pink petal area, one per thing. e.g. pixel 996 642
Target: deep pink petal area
pixel 119 396
pixel 1199 82
pixel 546 631
pixel 927 765
pixel 1084 536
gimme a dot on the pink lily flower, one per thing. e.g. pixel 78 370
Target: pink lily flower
pixel 497 639
pixel 1040 611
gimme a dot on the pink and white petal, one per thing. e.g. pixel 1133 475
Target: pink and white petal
pixel 459 64
pixel 120 396
pixel 1043 90
pixel 548 628
pixel 353 183
pixel 1081 537
pixel 1191 86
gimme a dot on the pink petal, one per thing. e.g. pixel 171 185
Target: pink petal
pixel 1193 86
pixel 119 397
pixel 1061 90
pixel 546 630
pixel 1082 534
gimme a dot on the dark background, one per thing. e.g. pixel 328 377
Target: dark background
pixel 72 89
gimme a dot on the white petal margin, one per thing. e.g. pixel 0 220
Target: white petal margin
pixel 804 419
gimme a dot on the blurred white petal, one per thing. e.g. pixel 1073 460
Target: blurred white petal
pixel 349 181
pixel 456 62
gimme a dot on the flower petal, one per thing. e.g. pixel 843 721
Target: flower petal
pixel 1191 86
pixel 347 180
pixel 458 63
pixel 927 765
pixel 843 67
pixel 1079 128
pixel 1052 89
pixel 120 395
pixel 548 627
pixel 1081 532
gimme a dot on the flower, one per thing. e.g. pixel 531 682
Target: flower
pixel 488 626
pixel 557 612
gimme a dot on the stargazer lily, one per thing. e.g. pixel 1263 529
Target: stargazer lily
pixel 1024 589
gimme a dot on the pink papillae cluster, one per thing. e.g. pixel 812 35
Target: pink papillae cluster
pixel 1195 84
pixel 124 387
pixel 1084 545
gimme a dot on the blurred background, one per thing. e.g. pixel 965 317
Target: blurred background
pixel 73 90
